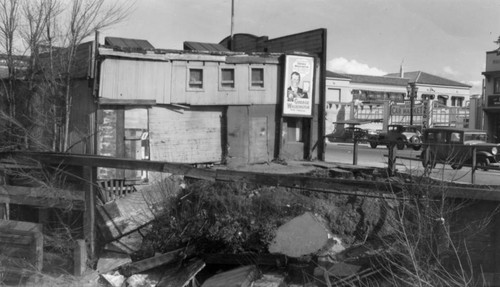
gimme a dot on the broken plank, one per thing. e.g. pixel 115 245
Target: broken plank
pixel 152 262
pixel 175 277
pixel 277 260
pixel 22 249
pixel 42 197
pixel 125 215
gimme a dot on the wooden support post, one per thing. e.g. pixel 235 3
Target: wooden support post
pixel 474 166
pixel 355 152
pixel 391 161
pixel 80 257
pixel 90 175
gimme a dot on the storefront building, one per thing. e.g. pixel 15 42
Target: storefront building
pixel 492 95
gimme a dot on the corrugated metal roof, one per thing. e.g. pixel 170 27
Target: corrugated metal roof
pixel 420 77
pixel 128 43
pixel 198 46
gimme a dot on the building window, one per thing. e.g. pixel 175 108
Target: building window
pixel 227 78
pixel 496 86
pixel 195 79
pixel 457 101
pixel 256 78
pixel 443 99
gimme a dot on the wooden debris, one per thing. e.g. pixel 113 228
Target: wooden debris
pixel 21 240
pixel 129 243
pixel 79 258
pixel 42 197
pixel 125 215
pixel 277 260
pixel 110 261
pixel 149 263
pixel 239 277
pixel 115 279
pixel 176 277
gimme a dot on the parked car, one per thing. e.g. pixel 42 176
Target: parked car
pixel 401 135
pixel 348 134
pixel 454 146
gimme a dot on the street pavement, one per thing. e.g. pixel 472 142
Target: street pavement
pixel 343 153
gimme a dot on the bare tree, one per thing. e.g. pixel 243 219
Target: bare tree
pixel 86 17
pixel 8 27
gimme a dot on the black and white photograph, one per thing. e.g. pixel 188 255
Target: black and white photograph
pixel 262 143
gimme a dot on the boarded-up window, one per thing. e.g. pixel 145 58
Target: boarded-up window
pixel 195 78
pixel 227 78
pixel 257 78
pixel 136 140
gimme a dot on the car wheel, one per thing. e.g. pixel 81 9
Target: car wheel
pixel 427 162
pixel 456 166
pixel 483 163
pixel 400 144
pixel 373 145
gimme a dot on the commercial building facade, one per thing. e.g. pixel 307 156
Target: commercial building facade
pixel 491 99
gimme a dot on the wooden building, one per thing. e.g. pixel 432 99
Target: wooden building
pixel 210 106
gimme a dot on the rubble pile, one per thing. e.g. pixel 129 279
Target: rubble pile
pixel 292 239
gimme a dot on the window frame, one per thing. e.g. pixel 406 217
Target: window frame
pixel 221 83
pixel 188 80
pixel 496 85
pixel 251 80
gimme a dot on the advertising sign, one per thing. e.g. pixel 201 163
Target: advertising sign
pixel 298 86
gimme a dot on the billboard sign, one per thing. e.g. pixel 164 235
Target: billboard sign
pixel 298 86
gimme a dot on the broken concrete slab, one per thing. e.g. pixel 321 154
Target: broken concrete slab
pixel 303 235
pixel 239 277
pixel 175 277
pixel 110 261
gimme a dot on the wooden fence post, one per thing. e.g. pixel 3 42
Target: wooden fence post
pixel 391 161
pixel 355 152
pixel 80 257
pixel 474 166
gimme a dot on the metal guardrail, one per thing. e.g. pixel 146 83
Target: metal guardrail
pixel 392 157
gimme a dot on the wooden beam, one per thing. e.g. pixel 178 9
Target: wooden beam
pixel 152 262
pixel 42 197
pixel 381 188
pixel 124 102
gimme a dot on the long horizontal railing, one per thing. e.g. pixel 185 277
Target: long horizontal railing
pixel 392 158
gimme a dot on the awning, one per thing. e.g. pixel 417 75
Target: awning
pixel 443 96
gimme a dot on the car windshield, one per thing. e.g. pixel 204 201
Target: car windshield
pixel 475 137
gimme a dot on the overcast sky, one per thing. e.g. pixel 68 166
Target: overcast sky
pixel 447 38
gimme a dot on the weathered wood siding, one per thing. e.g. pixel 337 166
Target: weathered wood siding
pixel 211 94
pixel 250 134
pixel 167 82
pixel 126 79
pixel 186 135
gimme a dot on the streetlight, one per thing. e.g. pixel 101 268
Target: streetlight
pixel 412 93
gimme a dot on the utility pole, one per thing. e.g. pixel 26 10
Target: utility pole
pixel 231 46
